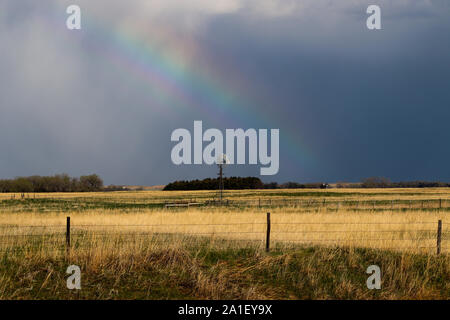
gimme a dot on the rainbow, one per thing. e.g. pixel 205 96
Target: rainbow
pixel 172 83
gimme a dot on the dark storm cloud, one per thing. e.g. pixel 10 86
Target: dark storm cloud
pixel 362 102
pixel 366 103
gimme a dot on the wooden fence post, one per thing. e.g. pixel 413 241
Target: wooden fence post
pixel 68 233
pixel 439 236
pixel 268 233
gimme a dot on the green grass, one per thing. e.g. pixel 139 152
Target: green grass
pixel 201 271
pixel 44 205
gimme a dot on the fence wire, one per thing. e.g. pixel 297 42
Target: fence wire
pixel 16 235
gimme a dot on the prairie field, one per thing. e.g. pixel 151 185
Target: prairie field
pixel 174 245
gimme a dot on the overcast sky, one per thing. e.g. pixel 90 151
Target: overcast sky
pixel 349 102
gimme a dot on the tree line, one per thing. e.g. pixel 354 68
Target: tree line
pixel 295 185
pixel 56 183
pixel 381 182
pixel 236 183
pixel 229 183
pixel 65 183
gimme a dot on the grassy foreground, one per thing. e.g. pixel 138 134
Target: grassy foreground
pixel 202 271
pixel 129 245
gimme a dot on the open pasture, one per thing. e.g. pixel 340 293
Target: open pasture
pixel 398 219
pixel 131 245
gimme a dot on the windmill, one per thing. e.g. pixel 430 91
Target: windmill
pixel 222 160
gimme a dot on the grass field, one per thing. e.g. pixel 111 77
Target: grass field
pixel 130 245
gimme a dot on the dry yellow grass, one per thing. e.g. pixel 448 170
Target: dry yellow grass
pixel 127 247
pixel 388 229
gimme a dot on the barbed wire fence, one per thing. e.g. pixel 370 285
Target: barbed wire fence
pixel 428 236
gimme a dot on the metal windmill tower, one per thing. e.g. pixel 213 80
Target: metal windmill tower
pixel 222 160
